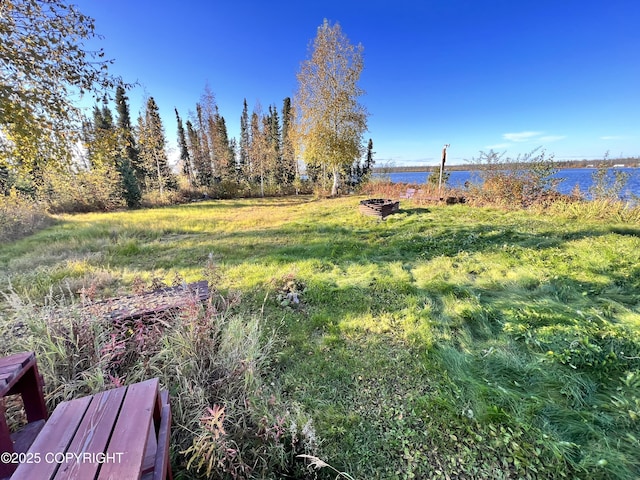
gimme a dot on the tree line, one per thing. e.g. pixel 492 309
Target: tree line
pixel 313 141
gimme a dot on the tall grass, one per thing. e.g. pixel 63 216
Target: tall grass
pixel 445 341
pixel 211 358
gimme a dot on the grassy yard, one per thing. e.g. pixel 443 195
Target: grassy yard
pixel 443 342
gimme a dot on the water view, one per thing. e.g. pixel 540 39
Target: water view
pixel 571 177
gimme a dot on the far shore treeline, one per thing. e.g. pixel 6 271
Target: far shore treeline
pixel 608 162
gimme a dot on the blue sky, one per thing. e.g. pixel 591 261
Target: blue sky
pixel 508 75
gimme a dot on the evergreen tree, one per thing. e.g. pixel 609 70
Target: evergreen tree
pixel 368 163
pixel 126 131
pixel 360 173
pixel 102 118
pixel 124 118
pixel 204 166
pixel 233 153
pixel 274 170
pixel 185 158
pixel 258 152
pixel 128 163
pixel 201 167
pixel 5 180
pixel 152 144
pixel 289 164
pixel 224 155
pixel 245 139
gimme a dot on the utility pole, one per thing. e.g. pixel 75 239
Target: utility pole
pixel 444 158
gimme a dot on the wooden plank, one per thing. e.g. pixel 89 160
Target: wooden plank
pixel 130 433
pixel 157 454
pixel 15 359
pixel 6 442
pixel 23 438
pixel 12 367
pixel 54 438
pixel 148 304
pixel 30 387
pixel 8 370
pixel 148 463
pixel 92 435
pixel 162 454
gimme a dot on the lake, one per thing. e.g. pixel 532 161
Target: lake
pixel 571 177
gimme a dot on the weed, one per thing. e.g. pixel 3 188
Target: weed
pixel 315 462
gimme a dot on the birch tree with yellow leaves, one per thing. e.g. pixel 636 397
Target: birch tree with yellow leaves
pixel 330 121
pixel 44 68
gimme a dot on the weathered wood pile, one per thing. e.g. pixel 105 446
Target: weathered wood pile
pixel 450 200
pixel 148 304
pixel 379 207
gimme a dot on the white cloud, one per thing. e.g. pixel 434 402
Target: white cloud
pixel 612 137
pixel 552 138
pixel 520 136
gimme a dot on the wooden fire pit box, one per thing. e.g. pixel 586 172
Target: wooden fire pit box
pixel 379 207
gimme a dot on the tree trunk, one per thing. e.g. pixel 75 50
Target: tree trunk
pixel 160 181
pixel 336 182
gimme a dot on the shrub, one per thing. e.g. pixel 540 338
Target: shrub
pixel 607 183
pixel 523 181
pixel 21 216
pixel 433 179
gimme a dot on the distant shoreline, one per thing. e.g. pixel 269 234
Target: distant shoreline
pixel 612 163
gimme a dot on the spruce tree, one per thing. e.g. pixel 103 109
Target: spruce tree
pixel 369 161
pixel 225 153
pixel 289 163
pixel 273 165
pixel 201 168
pixel 152 144
pixel 128 162
pixel 258 151
pixel 204 163
pixel 245 137
pixel 185 158
pixel 126 131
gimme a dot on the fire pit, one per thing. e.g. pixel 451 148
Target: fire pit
pixel 379 207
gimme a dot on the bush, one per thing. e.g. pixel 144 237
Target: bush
pixel 607 183
pixel 524 181
pixel 433 179
pixel 98 189
pixel 21 216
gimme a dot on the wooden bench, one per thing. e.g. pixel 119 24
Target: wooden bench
pixel 19 376
pixel 118 434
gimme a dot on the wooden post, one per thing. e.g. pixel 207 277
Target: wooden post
pixel 444 158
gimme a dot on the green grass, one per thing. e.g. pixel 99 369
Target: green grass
pixel 442 342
